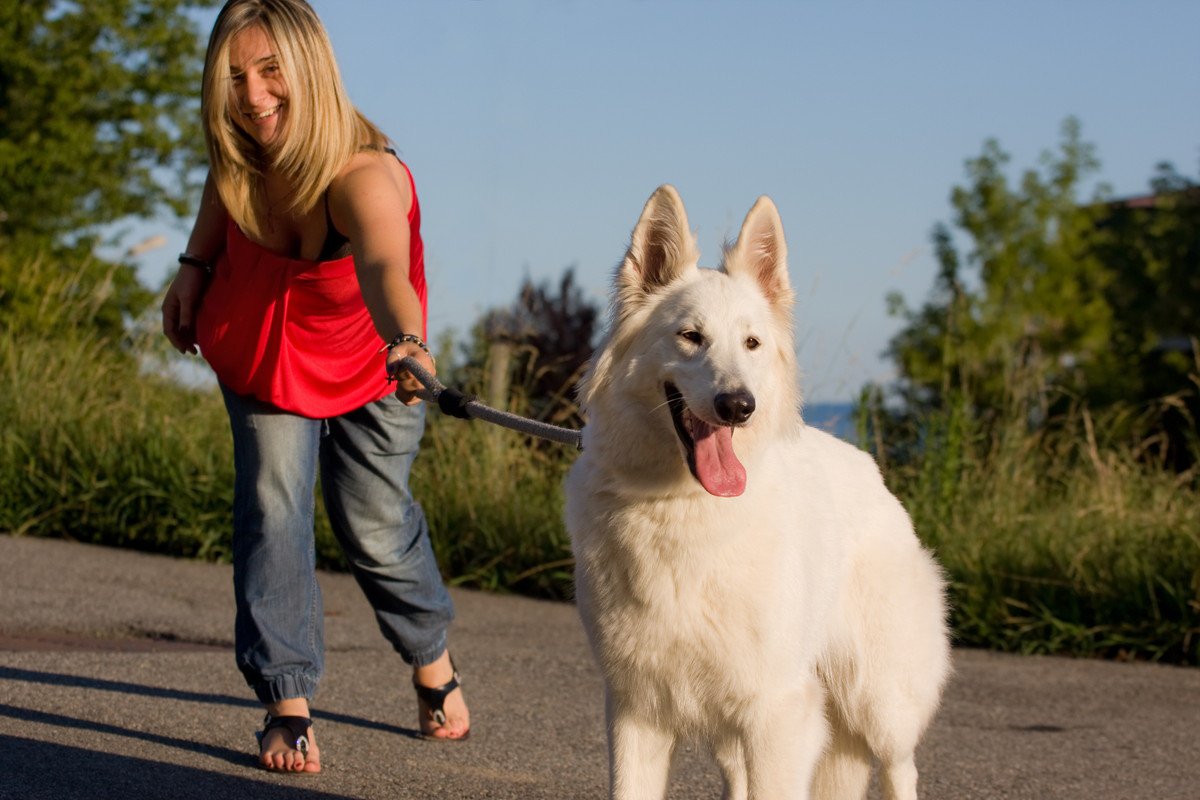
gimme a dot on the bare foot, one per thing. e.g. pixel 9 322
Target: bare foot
pixel 277 751
pixel 457 722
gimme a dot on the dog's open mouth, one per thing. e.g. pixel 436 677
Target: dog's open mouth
pixel 709 449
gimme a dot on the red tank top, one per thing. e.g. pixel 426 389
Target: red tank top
pixel 296 333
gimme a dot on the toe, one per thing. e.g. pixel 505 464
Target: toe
pixel 278 755
pixel 457 724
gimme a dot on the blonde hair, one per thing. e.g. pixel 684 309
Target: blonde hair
pixel 322 128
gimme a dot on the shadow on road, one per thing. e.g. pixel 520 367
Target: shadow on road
pixel 123 687
pixel 36 770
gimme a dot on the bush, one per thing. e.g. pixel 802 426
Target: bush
pixel 1055 539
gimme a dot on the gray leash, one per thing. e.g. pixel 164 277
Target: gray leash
pixel 466 406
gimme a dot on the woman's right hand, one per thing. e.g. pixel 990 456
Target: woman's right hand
pixel 407 385
pixel 180 306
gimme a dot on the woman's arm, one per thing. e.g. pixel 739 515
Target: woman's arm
pixel 183 297
pixel 369 204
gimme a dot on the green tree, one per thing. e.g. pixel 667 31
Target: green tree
pixel 1034 303
pixel 1152 246
pixel 1060 299
pixel 99 112
pixel 99 122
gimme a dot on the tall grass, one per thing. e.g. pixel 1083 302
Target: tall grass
pixel 93 449
pixel 1059 538
pixel 98 444
pixel 494 504
pixel 1056 540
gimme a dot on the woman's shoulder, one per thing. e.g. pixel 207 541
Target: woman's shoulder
pixel 371 180
pixel 375 161
pixel 371 172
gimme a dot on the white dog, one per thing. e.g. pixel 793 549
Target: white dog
pixel 743 578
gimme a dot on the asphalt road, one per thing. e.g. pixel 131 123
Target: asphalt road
pixel 117 681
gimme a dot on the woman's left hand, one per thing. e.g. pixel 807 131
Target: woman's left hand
pixel 407 385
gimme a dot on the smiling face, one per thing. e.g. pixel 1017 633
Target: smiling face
pixel 260 94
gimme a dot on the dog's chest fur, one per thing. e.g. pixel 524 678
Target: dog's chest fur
pixel 690 601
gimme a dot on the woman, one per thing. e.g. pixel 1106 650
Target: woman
pixel 303 285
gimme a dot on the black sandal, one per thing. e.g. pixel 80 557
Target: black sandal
pixel 298 727
pixel 435 698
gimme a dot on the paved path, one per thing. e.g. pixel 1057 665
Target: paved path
pixel 117 681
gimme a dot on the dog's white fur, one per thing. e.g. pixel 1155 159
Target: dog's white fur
pixel 798 627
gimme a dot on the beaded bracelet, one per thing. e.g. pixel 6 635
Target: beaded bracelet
pixel 196 261
pixel 399 340
pixel 407 337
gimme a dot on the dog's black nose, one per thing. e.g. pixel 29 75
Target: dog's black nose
pixel 734 407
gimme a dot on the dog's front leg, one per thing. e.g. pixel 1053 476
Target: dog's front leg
pixel 639 757
pixel 785 737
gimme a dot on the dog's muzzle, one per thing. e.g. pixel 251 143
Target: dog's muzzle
pixel 708 448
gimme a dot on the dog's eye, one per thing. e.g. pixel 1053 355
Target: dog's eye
pixel 752 343
pixel 695 337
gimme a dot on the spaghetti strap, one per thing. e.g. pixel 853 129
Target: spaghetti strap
pixel 412 185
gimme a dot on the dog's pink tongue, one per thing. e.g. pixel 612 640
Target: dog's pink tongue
pixel 717 467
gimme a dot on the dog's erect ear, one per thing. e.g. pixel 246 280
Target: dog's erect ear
pixel 761 251
pixel 661 250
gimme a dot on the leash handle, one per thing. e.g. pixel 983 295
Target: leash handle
pixel 465 406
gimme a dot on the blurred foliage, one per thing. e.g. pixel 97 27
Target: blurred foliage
pixel 99 122
pixel 1043 431
pixel 1058 539
pixel 544 339
pixel 40 290
pixel 99 113
pixel 1072 300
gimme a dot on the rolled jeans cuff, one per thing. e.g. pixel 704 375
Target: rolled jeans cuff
pixel 427 656
pixel 286 687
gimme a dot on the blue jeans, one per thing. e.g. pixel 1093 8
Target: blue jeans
pixel 364 458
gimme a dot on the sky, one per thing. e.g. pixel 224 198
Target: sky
pixel 537 129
